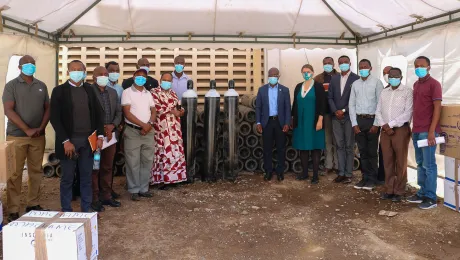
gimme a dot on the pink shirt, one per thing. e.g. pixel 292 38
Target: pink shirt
pixel 426 91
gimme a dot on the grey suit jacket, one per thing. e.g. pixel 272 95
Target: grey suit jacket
pixel 115 106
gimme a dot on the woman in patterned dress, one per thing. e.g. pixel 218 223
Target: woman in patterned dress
pixel 169 165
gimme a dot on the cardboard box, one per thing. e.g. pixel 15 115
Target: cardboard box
pixel 452 169
pixel 450 129
pixel 52 234
pixel 7 160
pixel 451 194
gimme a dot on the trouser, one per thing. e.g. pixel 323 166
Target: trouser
pixel 345 140
pixel 315 157
pixel 273 132
pixel 427 170
pixel 102 178
pixel 395 148
pixel 332 162
pixel 85 168
pixel 381 173
pixel 31 149
pixel 139 153
pixel 368 145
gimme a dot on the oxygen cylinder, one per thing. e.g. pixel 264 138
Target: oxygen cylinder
pixel 189 103
pixel 231 100
pixel 211 120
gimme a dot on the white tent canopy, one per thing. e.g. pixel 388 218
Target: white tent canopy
pixel 313 19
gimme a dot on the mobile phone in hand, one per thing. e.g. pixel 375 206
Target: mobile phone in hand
pixel 178 107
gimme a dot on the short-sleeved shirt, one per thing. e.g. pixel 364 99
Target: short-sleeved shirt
pixel 140 101
pixel 426 91
pixel 28 101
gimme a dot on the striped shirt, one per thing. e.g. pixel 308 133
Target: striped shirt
pixel 364 97
pixel 395 106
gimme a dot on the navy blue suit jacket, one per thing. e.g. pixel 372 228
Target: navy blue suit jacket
pixel 284 105
pixel 337 100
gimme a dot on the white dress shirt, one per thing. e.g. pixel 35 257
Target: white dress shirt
pixel 364 97
pixel 343 81
pixel 395 106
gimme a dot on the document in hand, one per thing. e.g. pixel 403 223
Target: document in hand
pixel 424 142
pixel 112 141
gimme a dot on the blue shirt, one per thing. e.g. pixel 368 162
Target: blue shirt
pixel 179 85
pixel 273 100
pixel 117 88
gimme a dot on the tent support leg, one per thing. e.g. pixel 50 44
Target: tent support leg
pixel 57 63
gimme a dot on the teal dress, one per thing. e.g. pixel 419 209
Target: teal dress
pixel 305 135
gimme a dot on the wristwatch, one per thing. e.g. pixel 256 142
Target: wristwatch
pixel 151 123
pixel 343 110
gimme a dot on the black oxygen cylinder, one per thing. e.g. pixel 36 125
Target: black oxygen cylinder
pixel 211 120
pixel 189 103
pixel 231 100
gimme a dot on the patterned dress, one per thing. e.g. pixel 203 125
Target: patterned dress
pixel 169 163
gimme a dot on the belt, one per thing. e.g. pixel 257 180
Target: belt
pixel 134 126
pixel 404 125
pixel 366 116
pixel 273 117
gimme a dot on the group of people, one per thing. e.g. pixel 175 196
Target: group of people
pixel 331 109
pixel 338 109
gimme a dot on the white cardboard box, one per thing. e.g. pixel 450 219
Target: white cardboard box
pixel 94 228
pixel 450 165
pixel 450 194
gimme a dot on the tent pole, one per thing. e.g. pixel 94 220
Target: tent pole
pixel 341 20
pixel 61 31
pixel 57 62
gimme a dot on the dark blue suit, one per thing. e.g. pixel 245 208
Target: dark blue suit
pixel 273 126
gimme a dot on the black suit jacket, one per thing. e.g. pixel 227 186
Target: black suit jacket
pixel 151 83
pixel 115 106
pixel 320 106
pixel 62 114
pixel 338 101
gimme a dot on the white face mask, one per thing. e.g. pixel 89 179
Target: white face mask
pixel 385 77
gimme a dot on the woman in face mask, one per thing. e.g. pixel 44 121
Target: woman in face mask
pixel 307 120
pixel 169 165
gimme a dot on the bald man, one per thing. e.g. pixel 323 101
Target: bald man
pixel 142 63
pixel 111 117
pixel 273 116
pixel 26 104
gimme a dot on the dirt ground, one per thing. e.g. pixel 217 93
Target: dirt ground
pixel 253 219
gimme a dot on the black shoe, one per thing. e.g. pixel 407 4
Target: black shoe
pixel 97 206
pixel 146 194
pixel 369 186
pixel 115 195
pixel 37 207
pixel 301 177
pixel 386 196
pixel 314 181
pixel 415 199
pixel 360 184
pixel 13 216
pixel 268 176
pixel 339 179
pixel 397 198
pixel 428 204
pixel 111 203
pixel 280 177
pixel 135 197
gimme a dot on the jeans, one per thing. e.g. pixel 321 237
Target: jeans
pixel 427 170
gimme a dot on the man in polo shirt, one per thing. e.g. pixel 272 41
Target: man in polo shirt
pixel 427 111
pixel 140 113
pixel 26 104
pixel 144 64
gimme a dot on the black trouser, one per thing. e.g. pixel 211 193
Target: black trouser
pixel 368 144
pixel 274 132
pixel 315 157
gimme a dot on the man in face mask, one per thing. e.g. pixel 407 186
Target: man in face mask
pixel 113 68
pixel 150 83
pixel 339 94
pixel 139 110
pixel 332 162
pixel 26 104
pixel 111 115
pixel 75 115
pixel 364 97
pixel 427 111
pixel 394 112
pixel 273 117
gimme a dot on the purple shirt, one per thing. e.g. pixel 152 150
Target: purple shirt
pixel 426 91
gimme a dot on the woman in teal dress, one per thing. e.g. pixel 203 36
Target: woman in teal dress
pixel 307 120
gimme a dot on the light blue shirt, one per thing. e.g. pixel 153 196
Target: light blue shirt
pixel 273 100
pixel 179 85
pixel 117 88
pixel 364 98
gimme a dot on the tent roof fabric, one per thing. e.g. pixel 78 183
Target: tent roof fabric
pixel 308 18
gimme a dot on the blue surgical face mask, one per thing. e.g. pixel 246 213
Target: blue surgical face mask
pixel 76 76
pixel 166 85
pixel 273 80
pixel 394 82
pixel 344 67
pixel 328 68
pixel 307 75
pixel 84 75
pixel 179 68
pixel 364 73
pixel 113 76
pixel 28 69
pixel 102 81
pixel 145 68
pixel 140 80
pixel 421 72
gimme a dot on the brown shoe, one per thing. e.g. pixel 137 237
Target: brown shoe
pixel 339 179
pixel 347 180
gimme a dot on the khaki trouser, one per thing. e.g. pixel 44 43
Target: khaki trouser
pixel 31 149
